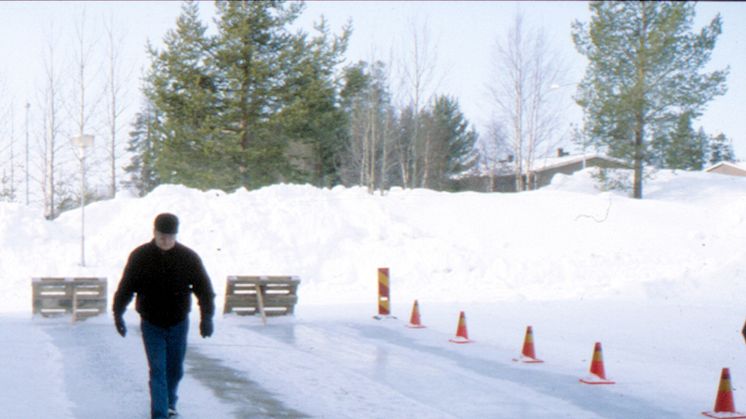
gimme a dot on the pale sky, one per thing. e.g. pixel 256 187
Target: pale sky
pixel 464 34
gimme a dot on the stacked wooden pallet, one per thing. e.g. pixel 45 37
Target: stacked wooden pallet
pixel 266 295
pixel 80 297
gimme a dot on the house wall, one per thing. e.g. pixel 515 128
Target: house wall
pixel 506 183
pixel 502 183
pixel 544 177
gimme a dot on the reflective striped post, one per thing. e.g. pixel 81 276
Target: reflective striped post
pixel 384 300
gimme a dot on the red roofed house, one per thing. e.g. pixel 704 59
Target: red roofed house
pixel 728 168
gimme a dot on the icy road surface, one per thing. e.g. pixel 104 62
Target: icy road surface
pixel 340 363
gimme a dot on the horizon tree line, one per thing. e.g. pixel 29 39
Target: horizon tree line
pixel 258 103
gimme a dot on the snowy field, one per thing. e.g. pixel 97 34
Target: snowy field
pixel 660 282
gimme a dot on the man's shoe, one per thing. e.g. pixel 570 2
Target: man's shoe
pixel 172 413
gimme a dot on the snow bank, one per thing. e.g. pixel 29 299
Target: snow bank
pixel 568 241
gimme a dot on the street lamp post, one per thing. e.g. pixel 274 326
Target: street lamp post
pixel 83 142
pixel 28 105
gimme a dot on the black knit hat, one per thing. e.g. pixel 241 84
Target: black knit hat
pixel 167 223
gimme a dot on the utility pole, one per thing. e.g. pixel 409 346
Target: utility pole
pixel 12 157
pixel 28 105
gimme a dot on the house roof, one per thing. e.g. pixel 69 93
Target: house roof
pixel 548 163
pixel 738 166
pixel 540 164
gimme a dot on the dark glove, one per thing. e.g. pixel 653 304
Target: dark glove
pixel 206 328
pixel 121 327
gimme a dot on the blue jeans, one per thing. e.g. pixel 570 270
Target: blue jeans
pixel 165 349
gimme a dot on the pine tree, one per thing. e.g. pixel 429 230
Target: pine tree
pixel 660 142
pixel 252 105
pixel 700 150
pixel 182 88
pixel 311 118
pixel 452 142
pixel 253 50
pixel 143 176
pixel 366 101
pixel 645 70
pixel 685 149
pixel 404 143
pixel 721 149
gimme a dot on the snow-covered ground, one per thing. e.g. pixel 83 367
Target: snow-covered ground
pixel 658 281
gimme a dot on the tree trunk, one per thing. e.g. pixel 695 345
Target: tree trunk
pixel 427 163
pixel 637 189
pixel 640 116
pixel 372 148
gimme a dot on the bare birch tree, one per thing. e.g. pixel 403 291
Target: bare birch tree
pixel 524 70
pixel 26 154
pixel 380 121
pixel 84 78
pixel 368 104
pixel 419 80
pixel 371 141
pixel 115 91
pixel 7 148
pixel 495 152
pixel 370 120
pixel 52 125
pixel 389 128
pixel 12 163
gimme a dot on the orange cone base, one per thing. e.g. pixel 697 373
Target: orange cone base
pixel 725 415
pixel 459 339
pixel 594 379
pixel 527 360
pixel 415 326
pixel 384 317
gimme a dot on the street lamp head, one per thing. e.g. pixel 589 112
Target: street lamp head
pixel 555 86
pixel 83 141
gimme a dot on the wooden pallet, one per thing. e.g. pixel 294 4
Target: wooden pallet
pixel 266 295
pixel 80 297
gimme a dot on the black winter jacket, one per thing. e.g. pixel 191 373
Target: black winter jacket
pixel 164 282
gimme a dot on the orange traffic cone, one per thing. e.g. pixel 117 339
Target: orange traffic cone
pixel 414 321
pixel 598 375
pixel 724 405
pixel 528 354
pixel 461 335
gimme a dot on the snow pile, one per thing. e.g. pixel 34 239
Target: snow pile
pixel 658 281
pixel 568 241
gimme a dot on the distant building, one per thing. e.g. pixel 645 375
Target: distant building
pixel 728 168
pixel 542 172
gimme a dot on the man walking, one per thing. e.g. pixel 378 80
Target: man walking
pixel 164 273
